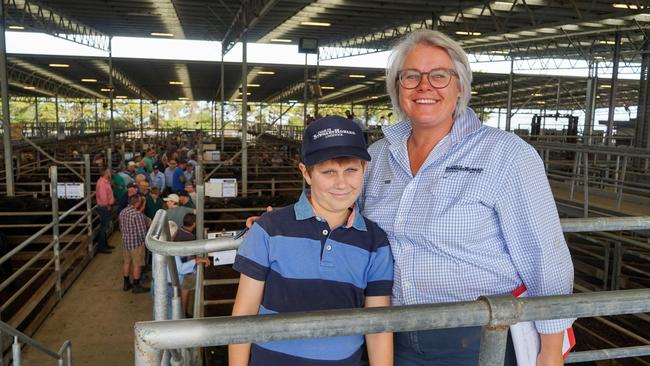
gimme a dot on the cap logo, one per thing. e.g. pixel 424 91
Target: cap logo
pixel 332 132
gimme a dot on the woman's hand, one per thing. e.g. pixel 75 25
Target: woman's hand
pixel 550 353
pixel 251 220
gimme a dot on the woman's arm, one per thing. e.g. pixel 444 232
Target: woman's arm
pixel 247 302
pixel 550 353
pixel 380 345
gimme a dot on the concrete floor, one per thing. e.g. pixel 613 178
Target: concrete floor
pixel 96 315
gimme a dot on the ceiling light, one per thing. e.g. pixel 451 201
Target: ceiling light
pixel 16 27
pixel 59 65
pixel 281 40
pixel 537 95
pixel 240 93
pixel 159 34
pixel 29 87
pixel 237 99
pixel 498 52
pixel 176 83
pixel 316 24
pixel 88 80
pixel 607 42
pixel 463 33
pixel 183 98
pixel 605 86
pixel 627 6
pixel 266 73
pixel 541 102
pixel 327 88
pixel 105 89
pixel 120 97
pixel 374 97
pixel 253 85
pixel 357 76
pixel 474 92
pixel 599 58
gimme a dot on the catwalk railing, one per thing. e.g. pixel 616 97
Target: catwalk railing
pixel 63 356
pixel 493 313
pixel 60 249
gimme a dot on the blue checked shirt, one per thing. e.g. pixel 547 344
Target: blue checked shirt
pixel 478 218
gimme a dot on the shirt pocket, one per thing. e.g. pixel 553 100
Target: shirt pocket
pixel 456 211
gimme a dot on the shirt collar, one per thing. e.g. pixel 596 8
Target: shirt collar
pixel 304 210
pixel 463 126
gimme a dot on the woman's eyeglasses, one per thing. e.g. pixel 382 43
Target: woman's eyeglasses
pixel 438 78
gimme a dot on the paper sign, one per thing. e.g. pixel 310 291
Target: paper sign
pixel 70 190
pixel 212 155
pixel 218 187
pixel 209 147
pixel 226 256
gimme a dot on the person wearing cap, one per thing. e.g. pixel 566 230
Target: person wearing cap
pixel 185 199
pixel 131 190
pixel 133 225
pixel 169 175
pixel 317 254
pixel 175 212
pixel 157 178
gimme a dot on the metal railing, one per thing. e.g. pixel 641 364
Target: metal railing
pixel 54 265
pixel 493 313
pixel 63 356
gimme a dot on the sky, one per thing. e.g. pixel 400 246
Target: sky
pixel 174 49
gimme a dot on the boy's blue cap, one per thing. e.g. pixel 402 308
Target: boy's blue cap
pixel 333 137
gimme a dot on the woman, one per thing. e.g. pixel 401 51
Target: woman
pixel 467 208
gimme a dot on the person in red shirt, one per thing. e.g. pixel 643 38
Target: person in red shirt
pixel 105 200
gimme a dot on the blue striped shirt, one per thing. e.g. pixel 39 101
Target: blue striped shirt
pixel 308 267
pixel 478 218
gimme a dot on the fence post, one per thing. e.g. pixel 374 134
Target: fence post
pixel 586 185
pixel 89 202
pixel 54 180
pixel 15 351
pixel 619 193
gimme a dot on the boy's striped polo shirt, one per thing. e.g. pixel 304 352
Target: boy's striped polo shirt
pixel 308 267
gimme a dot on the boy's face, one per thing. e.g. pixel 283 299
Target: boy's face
pixel 335 186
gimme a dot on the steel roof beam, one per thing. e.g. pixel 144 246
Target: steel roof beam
pixel 248 14
pixel 51 22
pixel 45 85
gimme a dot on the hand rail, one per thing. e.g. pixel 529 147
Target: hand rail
pixel 18 335
pixel 152 337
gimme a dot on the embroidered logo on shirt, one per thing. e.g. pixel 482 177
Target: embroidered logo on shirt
pixel 460 168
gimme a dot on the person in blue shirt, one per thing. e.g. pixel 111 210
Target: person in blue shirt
pixel 467 208
pixel 178 179
pixel 319 253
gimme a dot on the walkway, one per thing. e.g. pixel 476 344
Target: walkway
pixel 96 315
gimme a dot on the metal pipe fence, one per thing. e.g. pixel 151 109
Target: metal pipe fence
pixel 51 266
pixel 63 356
pixel 493 313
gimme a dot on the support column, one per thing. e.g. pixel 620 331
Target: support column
pixel 317 95
pixel 244 117
pixel 96 116
pixel 56 118
pixel 612 89
pixel 642 133
pixel 305 94
pixel 510 81
pixel 141 117
pixel 590 103
pixel 111 92
pixel 223 103
pixel 6 120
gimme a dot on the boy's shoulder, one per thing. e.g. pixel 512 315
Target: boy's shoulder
pixel 376 234
pixel 277 219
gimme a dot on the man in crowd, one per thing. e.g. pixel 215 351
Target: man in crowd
pixel 133 225
pixel 157 178
pixel 175 212
pixel 169 175
pixel 185 200
pixel 105 200
pixel 187 269
pixel 153 202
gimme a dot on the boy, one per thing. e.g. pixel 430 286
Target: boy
pixel 317 254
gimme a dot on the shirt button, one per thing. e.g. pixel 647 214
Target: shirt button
pixel 325 232
pixel 329 247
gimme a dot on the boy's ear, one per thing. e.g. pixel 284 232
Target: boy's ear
pixel 305 173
